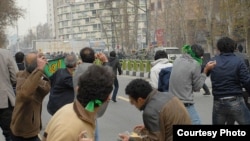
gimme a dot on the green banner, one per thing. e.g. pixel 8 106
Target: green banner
pixel 53 66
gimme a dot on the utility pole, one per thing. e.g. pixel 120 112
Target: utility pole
pixel 18 48
pixel 146 2
pixel 112 25
pixel 71 20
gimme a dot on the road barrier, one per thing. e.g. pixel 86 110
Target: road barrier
pixel 140 68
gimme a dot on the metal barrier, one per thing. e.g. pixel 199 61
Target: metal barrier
pixel 136 65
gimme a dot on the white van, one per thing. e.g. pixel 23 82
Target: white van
pixel 173 52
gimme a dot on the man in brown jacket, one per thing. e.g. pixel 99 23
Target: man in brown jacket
pixel 160 112
pixel 32 86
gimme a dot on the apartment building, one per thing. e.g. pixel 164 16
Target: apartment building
pixel 98 20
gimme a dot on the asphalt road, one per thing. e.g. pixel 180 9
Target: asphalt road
pixel 122 116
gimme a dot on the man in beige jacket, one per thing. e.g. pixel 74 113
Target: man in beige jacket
pixel 8 70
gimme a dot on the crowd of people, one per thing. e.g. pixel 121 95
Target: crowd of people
pixel 84 90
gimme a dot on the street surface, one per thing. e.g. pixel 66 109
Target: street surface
pixel 122 116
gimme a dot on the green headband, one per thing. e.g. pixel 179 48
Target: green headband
pixel 187 49
pixel 91 105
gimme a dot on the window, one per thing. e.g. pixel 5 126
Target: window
pixel 101 4
pixel 91 5
pixel 87 20
pixel 159 5
pixel 60 31
pixel 68 16
pixel 95 27
pixel 65 23
pixel 152 6
pixel 81 28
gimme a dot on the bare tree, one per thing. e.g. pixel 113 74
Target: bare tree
pixel 42 31
pixel 9 14
pixel 27 40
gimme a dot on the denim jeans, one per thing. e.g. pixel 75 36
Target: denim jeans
pixel 96 132
pixel 226 110
pixel 195 118
pixel 116 87
pixel 205 88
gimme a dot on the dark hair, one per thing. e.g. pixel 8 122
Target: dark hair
pixel 70 61
pixel 226 45
pixel 30 65
pixel 112 54
pixel 240 48
pixel 198 50
pixel 95 83
pixel 19 57
pixel 87 55
pixel 160 54
pixel 138 88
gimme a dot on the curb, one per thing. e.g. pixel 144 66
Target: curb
pixel 137 74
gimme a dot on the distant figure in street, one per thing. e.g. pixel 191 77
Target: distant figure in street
pixel 228 78
pixel 186 77
pixel 238 52
pixel 94 89
pixel 116 66
pixel 161 110
pixel 19 56
pixel 8 70
pixel 32 86
pixel 62 90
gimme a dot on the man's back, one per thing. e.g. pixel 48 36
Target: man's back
pixel 80 69
pixel 62 91
pixel 157 65
pixel 228 75
pixel 185 78
pixel 8 70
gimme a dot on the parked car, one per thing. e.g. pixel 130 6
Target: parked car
pixel 173 52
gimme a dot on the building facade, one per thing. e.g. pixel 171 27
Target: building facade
pixel 106 20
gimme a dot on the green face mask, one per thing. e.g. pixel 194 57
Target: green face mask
pixel 187 49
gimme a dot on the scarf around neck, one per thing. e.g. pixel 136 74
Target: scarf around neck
pixel 187 49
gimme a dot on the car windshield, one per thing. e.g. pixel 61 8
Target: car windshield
pixel 173 51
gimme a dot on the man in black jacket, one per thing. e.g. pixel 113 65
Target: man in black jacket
pixel 115 64
pixel 62 90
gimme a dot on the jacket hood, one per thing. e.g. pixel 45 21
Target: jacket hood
pixel 162 61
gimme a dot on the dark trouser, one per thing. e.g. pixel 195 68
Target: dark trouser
pixel 245 96
pixel 205 88
pixel 5 119
pixel 15 138
pixel 116 87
